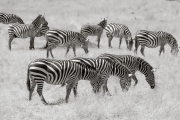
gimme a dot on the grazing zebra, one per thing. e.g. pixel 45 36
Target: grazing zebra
pixel 152 39
pixel 107 68
pixel 26 30
pixel 121 31
pixel 69 38
pixel 10 18
pixel 94 30
pixel 134 64
pixel 59 72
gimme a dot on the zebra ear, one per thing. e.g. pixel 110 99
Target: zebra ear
pixel 130 75
pixel 153 70
pixel 87 40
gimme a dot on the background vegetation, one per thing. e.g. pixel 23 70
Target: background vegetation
pixel 139 103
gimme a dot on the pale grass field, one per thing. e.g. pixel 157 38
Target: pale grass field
pixel 139 103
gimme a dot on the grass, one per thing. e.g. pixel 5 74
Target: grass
pixel 139 103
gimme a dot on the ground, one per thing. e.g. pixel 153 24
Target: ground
pixel 139 103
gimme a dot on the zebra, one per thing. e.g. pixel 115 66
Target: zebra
pixel 10 19
pixel 94 30
pixel 43 31
pixel 69 38
pixel 107 68
pixel 59 72
pixel 153 39
pixel 121 31
pixel 26 30
pixel 134 64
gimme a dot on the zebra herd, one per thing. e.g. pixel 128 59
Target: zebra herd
pixel 96 70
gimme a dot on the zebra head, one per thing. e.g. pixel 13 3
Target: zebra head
pixel 147 70
pixel 172 43
pixel 84 43
pixel 103 23
pixel 125 79
pixel 39 21
pixel 97 82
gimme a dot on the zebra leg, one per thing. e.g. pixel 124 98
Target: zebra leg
pixel 136 45
pixel 135 79
pixel 68 91
pixel 68 47
pixel 98 38
pixel 127 44
pixel 31 43
pixel 10 40
pixel 75 90
pixel 74 50
pixel 110 39
pixel 105 88
pixel 32 87
pixel 120 40
pixel 39 91
pixel 142 50
pixel 161 49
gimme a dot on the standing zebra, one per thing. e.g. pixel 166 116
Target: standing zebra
pixel 43 31
pixel 69 38
pixel 94 30
pixel 26 30
pixel 153 39
pixel 121 31
pixel 107 68
pixel 134 64
pixel 59 72
pixel 10 18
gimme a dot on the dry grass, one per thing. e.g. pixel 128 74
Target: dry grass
pixel 139 103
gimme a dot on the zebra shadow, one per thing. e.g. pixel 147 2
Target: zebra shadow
pixel 60 101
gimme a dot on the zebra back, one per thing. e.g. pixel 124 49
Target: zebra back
pixel 117 30
pixel 10 18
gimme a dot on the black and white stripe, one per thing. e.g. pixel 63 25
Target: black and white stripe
pixel 94 30
pixel 153 39
pixel 26 30
pixel 120 31
pixel 69 38
pixel 107 68
pixel 59 72
pixel 134 64
pixel 10 19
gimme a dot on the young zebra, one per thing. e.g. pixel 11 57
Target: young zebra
pixel 121 31
pixel 94 30
pixel 59 72
pixel 134 64
pixel 26 30
pixel 153 39
pixel 69 38
pixel 10 18
pixel 107 68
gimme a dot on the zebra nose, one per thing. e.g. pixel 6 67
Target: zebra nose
pixel 152 87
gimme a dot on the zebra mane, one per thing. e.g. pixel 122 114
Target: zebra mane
pixel 144 63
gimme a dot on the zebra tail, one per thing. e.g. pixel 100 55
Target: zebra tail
pixel 28 81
